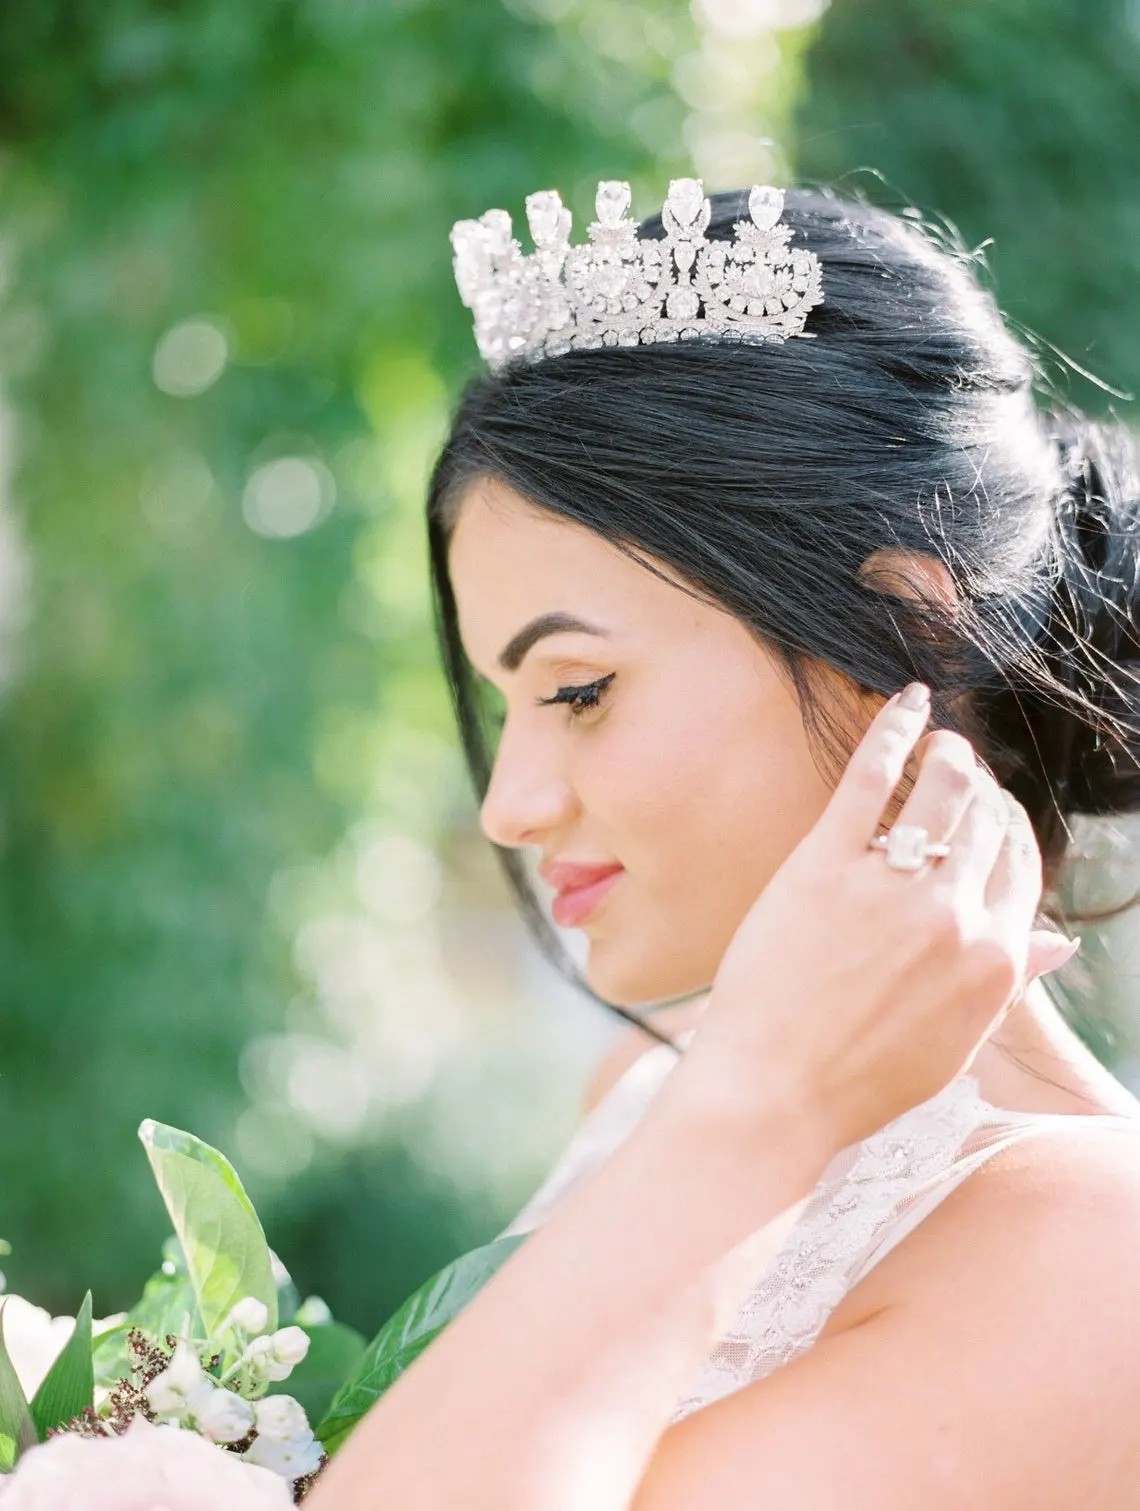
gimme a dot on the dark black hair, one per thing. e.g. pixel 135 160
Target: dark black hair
pixel 767 475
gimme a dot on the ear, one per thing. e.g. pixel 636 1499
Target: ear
pixel 910 574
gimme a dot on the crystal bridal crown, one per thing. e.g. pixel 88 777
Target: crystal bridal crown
pixel 622 290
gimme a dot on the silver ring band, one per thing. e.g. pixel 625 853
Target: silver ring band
pixel 908 847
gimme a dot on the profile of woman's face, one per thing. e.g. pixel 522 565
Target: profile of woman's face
pixel 693 771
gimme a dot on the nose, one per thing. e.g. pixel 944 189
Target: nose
pixel 527 797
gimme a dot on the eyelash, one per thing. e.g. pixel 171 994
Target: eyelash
pixel 582 698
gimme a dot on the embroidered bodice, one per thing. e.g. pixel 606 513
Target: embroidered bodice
pixel 868 1199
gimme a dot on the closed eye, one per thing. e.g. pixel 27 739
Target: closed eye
pixel 580 698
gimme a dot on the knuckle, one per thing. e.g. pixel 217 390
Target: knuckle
pixel 951 775
pixel 871 777
pixel 896 752
pixel 948 746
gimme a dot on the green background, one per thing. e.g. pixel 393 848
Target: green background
pixel 241 888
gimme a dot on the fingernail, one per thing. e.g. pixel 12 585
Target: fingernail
pixel 915 696
pixel 1060 955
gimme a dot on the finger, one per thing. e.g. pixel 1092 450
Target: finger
pixel 875 769
pixel 978 838
pixel 944 786
pixel 1048 951
pixel 1013 888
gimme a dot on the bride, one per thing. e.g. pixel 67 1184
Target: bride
pixel 810 632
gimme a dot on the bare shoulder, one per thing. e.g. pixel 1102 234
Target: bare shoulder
pixel 632 1044
pixel 1054 1217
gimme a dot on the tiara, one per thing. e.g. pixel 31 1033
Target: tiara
pixel 622 290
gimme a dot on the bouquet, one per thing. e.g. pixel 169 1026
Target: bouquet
pixel 220 1387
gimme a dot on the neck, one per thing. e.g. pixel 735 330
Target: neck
pixel 1033 1063
pixel 1036 1063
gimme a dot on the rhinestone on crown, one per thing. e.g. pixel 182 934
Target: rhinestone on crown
pixel 620 290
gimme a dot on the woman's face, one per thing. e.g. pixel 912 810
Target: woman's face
pixel 692 773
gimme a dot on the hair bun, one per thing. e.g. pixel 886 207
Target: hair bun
pixel 1093 643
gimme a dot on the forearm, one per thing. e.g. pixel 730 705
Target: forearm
pixel 551 1390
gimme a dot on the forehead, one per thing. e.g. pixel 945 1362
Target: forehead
pixel 498 528
pixel 510 561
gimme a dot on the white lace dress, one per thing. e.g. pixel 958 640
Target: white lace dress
pixel 868 1199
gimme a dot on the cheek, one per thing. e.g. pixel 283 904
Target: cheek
pixel 714 796
pixel 755 798
pixel 644 777
pixel 702 807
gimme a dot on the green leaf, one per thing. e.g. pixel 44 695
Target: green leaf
pixel 405 1336
pixel 335 1354
pixel 227 1257
pixel 69 1384
pixel 17 1429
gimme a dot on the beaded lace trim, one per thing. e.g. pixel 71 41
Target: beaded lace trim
pixel 834 1238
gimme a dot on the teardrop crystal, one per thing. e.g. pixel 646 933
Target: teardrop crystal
pixel 547 218
pixel 686 196
pixel 613 200
pixel 765 205
pixel 498 224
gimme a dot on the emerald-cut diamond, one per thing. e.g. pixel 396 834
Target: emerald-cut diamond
pixel 906 847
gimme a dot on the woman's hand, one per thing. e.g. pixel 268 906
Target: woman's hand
pixel 854 991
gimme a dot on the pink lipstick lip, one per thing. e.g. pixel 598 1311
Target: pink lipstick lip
pixel 573 905
pixel 564 874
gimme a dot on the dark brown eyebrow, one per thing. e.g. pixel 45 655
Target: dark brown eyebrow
pixel 557 623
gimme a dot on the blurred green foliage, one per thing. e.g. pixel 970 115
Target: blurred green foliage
pixel 1020 121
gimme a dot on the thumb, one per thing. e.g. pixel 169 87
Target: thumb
pixel 1048 951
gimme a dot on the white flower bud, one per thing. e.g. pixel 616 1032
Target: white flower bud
pixel 225 1417
pixel 182 1387
pixel 290 1345
pixel 258 1353
pixel 290 1459
pixel 262 1363
pixel 281 1418
pixel 250 1315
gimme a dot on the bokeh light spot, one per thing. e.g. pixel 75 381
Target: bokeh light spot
pixel 190 357
pixel 272 1140
pixel 399 879
pixel 288 496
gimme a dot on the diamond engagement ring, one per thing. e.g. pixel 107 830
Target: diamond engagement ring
pixel 908 847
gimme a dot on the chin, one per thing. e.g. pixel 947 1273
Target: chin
pixel 632 978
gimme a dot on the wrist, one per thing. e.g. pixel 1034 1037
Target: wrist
pixel 713 1103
